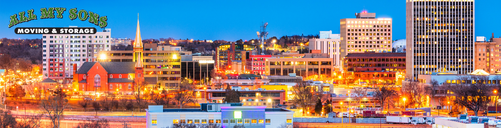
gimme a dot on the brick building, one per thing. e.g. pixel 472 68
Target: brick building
pixel 487 55
pixel 376 68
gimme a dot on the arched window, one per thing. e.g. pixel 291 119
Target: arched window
pixel 97 80
pixel 130 86
pixel 111 86
pixel 84 76
pixel 111 76
pixel 120 76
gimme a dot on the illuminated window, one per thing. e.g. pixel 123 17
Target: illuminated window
pixel 197 121
pixel 239 121
pixel 154 121
pixel 218 121
pixel 190 121
pixel 211 121
pixel 247 121
pixel 237 114
pixel 175 121
pixel 204 121
pixel 268 121
pixel 289 120
pixel 254 121
pixel 261 121
pixel 183 121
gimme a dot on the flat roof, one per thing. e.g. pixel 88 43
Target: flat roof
pixel 369 54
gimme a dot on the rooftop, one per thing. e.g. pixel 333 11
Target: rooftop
pixel 376 55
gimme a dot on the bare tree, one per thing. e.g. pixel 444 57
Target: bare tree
pixel 90 123
pixel 472 92
pixel 384 94
pixel 304 95
pixel 184 95
pixel 139 97
pixel 360 93
pixel 160 99
pixel 54 106
pixel 84 103
pixel 29 122
pixel 415 92
pixel 432 90
pixel 7 120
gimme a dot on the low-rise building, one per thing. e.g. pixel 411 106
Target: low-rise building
pixel 219 115
pixel 376 68
pixel 308 66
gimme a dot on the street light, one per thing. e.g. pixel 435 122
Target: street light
pixel 404 99
pixel 495 103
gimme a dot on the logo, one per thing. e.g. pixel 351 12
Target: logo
pixel 57 12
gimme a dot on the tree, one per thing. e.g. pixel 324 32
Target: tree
pixel 54 106
pixel 360 93
pixel 84 103
pixel 90 123
pixel 304 96
pixel 160 99
pixel 106 104
pixel 29 122
pixel 17 92
pixel 472 95
pixel 232 96
pixel 415 92
pixel 318 107
pixel 137 94
pixel 384 94
pixel 184 94
pixel 96 106
pixel 7 120
pixel 431 90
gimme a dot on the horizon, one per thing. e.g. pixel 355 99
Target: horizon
pixel 216 20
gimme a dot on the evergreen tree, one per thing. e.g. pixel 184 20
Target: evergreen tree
pixel 318 107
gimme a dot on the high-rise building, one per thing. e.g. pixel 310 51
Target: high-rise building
pixel 330 44
pixel 487 55
pixel 227 53
pixel 440 37
pixel 365 33
pixel 61 51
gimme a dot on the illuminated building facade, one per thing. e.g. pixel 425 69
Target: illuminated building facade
pixel 329 45
pixel 365 33
pixel 376 68
pixel 314 65
pixel 440 37
pixel 62 51
pixel 225 54
pixel 257 64
pixel 487 55
pixel 226 115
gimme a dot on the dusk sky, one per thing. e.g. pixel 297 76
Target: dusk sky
pixel 228 20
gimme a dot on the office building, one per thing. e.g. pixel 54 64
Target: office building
pixel 329 45
pixel 223 115
pixel 376 68
pixel 487 55
pixel 257 63
pixel 440 37
pixel 227 53
pixel 365 33
pixel 197 68
pixel 308 66
pixel 61 51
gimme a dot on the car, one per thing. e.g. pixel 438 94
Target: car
pixel 87 98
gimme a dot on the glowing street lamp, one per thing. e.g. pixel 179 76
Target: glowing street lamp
pixel 404 99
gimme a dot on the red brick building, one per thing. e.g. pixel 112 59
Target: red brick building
pixel 106 77
pixel 257 64
pixel 376 68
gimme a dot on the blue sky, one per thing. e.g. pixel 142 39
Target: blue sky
pixel 228 20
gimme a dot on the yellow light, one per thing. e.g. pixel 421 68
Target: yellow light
pixel 404 99
pixel 174 56
pixel 102 56
pixel 75 90
pixel 269 100
pixel 341 103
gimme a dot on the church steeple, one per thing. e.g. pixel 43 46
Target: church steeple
pixel 138 46
pixel 138 41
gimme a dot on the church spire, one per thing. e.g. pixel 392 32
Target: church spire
pixel 138 43
pixel 138 47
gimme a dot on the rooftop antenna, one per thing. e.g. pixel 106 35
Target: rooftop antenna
pixel 262 34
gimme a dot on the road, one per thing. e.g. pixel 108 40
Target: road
pixel 74 123
pixel 357 125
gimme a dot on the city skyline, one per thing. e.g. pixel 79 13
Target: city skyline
pixel 212 21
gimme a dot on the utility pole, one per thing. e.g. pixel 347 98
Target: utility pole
pixel 125 125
